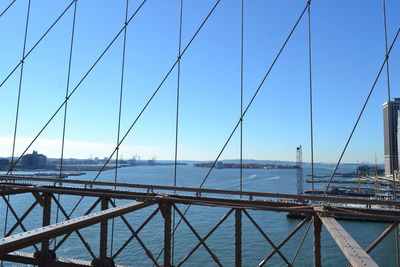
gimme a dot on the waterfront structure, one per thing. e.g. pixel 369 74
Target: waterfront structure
pixel 390 124
pixel 34 161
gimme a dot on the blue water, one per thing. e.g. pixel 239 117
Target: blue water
pixel 221 242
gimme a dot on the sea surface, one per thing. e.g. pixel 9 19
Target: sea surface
pixel 221 242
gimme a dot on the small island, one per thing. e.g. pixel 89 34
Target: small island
pixel 223 165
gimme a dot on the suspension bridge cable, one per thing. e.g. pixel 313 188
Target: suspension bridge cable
pixel 37 43
pixel 8 7
pixel 178 84
pixel 20 84
pixel 119 119
pixel 245 111
pixel 18 105
pixel 151 97
pixel 311 95
pixel 255 94
pixel 392 161
pixel 390 126
pixel 80 82
pixel 66 107
pixel 241 94
pixel 362 110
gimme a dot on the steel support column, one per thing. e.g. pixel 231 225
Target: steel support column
pixel 238 237
pixel 103 260
pixel 45 254
pixel 317 240
pixel 166 212
pixel 46 217
pixel 103 231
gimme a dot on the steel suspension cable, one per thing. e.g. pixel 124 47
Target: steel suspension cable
pixel 119 120
pixel 241 94
pixel 80 82
pixel 255 94
pixel 245 111
pixel 177 122
pixel 66 107
pixel 311 95
pixel 362 110
pixel 391 152
pixel 37 43
pixel 17 108
pixel 390 126
pixel 20 85
pixel 152 97
pixel 301 242
pixel 8 7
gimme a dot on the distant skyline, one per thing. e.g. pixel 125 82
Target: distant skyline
pixel 348 49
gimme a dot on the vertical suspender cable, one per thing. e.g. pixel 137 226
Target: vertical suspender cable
pixel 177 121
pixel 311 95
pixel 391 152
pixel 20 85
pixel 390 126
pixel 17 110
pixel 241 97
pixel 66 106
pixel 119 118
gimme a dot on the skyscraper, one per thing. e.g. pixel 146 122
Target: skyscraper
pixel 390 124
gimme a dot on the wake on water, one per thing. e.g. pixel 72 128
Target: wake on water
pixel 272 178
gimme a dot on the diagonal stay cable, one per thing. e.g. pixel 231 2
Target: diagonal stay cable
pixel 301 243
pixel 119 119
pixel 245 111
pixel 241 94
pixel 66 106
pixel 178 86
pixel 362 110
pixel 80 82
pixel 17 108
pixel 37 43
pixel 152 96
pixel 7 8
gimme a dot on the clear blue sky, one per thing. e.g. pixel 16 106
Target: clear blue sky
pixel 348 48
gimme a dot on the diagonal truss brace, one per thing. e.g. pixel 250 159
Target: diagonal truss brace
pixel 19 241
pixel 350 248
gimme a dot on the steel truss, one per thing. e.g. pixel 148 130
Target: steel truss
pixel 144 196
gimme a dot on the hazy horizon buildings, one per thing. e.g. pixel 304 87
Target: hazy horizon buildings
pixel 391 140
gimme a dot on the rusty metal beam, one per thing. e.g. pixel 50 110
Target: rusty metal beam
pixel 301 198
pixel 213 256
pixel 356 256
pixel 205 237
pixel 16 242
pixel 382 236
pixel 284 241
pixel 29 258
pixel 267 238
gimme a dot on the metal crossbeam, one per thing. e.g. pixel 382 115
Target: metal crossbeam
pixel 250 194
pixel 19 241
pixel 350 248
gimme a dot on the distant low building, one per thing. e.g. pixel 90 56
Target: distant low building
pixel 4 163
pixel 34 161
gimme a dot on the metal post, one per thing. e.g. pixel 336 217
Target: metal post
pixel 103 231
pixel 166 211
pixel 238 237
pixel 46 218
pixel 317 241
